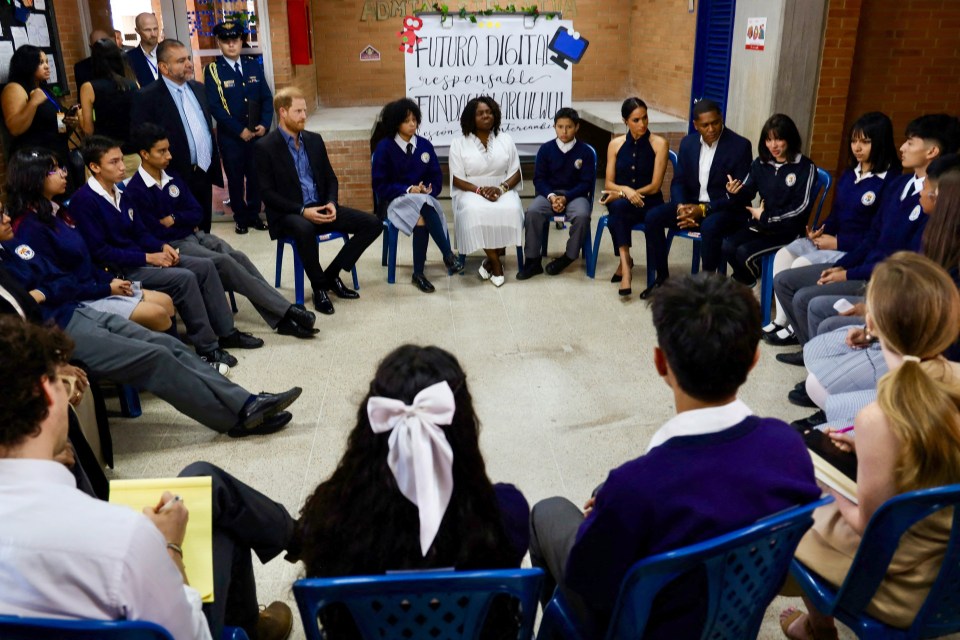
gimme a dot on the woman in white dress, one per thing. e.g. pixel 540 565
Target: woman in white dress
pixel 484 169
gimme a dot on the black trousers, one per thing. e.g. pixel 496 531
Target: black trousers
pixel 243 520
pixel 361 227
pixel 201 186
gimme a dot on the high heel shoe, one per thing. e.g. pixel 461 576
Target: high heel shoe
pixel 617 277
pixel 625 292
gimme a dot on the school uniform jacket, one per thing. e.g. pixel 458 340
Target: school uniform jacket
pixel 787 193
pixel 733 157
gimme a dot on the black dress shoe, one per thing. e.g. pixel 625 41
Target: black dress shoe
pixel 260 407
pixel 342 291
pixel 260 225
pixel 625 293
pixel 617 277
pixel 799 396
pixel 809 422
pixel 269 425
pixel 795 358
pixel 321 302
pixel 299 314
pixel 453 263
pixel 646 293
pixel 422 283
pixel 530 268
pixel 776 340
pixel 218 355
pixel 240 340
pixel 288 327
pixel 240 228
pixel 554 267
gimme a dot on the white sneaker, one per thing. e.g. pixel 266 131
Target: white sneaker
pixel 484 274
pixel 497 280
pixel 221 368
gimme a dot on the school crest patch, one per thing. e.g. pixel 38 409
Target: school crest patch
pixel 424 157
pixel 174 191
pixel 25 252
pixel 791 179
pixel 130 213
pixel 868 198
pixel 578 163
pixel 915 213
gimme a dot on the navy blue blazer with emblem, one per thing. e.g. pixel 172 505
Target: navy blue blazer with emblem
pixel 231 97
pixel 733 157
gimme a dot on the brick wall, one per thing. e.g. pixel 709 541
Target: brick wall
pixel 350 160
pixel 626 55
pixel 899 57
pixel 662 34
pixel 285 73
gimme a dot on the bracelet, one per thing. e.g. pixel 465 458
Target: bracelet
pixel 703 210
pixel 504 187
pixel 477 191
pixel 502 190
pixel 175 547
pixel 621 194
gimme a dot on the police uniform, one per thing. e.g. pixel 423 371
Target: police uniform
pixel 239 100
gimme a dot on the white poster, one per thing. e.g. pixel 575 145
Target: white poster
pixel 504 57
pixel 37 30
pixel 19 36
pixel 756 33
pixel 6 52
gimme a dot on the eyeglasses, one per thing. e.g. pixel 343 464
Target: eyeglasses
pixel 69 383
pixel 57 170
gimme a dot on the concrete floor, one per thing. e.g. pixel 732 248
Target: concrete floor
pixel 560 369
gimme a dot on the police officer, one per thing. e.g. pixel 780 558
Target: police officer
pixel 241 103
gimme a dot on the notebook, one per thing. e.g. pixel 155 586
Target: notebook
pixel 835 468
pixel 197 495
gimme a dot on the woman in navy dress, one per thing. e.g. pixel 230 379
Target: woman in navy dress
pixel 407 179
pixel 636 164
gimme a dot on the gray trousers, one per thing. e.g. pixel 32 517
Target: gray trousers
pixel 237 274
pixel 823 318
pixel 120 350
pixel 198 296
pixel 795 288
pixel 577 214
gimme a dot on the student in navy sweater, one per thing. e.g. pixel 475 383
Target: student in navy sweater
pixel 873 162
pixel 897 226
pixel 166 208
pixel 118 240
pixel 407 181
pixel 565 173
pixel 34 178
pixel 785 180
pixel 713 468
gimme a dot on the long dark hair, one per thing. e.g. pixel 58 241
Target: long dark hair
pixel 877 128
pixel 108 62
pixel 23 66
pixel 783 128
pixel 941 237
pixel 26 173
pixel 358 522
pixel 468 119
pixel 391 117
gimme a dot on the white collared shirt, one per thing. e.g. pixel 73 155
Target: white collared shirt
pixel 699 422
pixel 857 171
pixel 113 198
pixel 152 61
pixel 6 295
pixel 150 182
pixel 403 143
pixel 916 182
pixel 707 153
pixel 65 554
pixel 566 146
pixel 236 65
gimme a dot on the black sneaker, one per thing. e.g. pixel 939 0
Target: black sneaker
pixel 240 340
pixel 218 355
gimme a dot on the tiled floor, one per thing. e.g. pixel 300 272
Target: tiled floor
pixel 560 369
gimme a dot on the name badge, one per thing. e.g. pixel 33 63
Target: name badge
pixel 227 84
pixel 252 79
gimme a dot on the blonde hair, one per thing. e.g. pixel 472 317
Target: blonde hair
pixel 285 97
pixel 915 308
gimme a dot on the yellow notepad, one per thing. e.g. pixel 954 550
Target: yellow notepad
pixel 197 494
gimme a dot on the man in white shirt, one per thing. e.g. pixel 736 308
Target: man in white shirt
pixel 143 59
pixel 65 554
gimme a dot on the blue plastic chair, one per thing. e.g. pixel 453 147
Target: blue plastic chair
pixel 744 570
pixel 298 263
pixel 604 221
pixel 560 221
pixel 18 628
pixel 129 401
pixel 420 604
pixel 940 613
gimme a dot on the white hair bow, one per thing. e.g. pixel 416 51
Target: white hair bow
pixel 420 456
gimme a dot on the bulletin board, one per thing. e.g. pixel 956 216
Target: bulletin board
pixel 32 22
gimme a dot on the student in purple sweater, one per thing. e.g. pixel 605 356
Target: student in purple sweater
pixel 565 173
pixel 897 226
pixel 713 468
pixel 166 208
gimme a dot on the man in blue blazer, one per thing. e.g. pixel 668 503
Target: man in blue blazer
pixel 143 59
pixel 178 103
pixel 698 194
pixel 241 103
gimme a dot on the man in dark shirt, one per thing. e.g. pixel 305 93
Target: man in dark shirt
pixel 712 469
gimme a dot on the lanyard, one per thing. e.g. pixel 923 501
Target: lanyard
pixel 51 98
pixel 152 66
